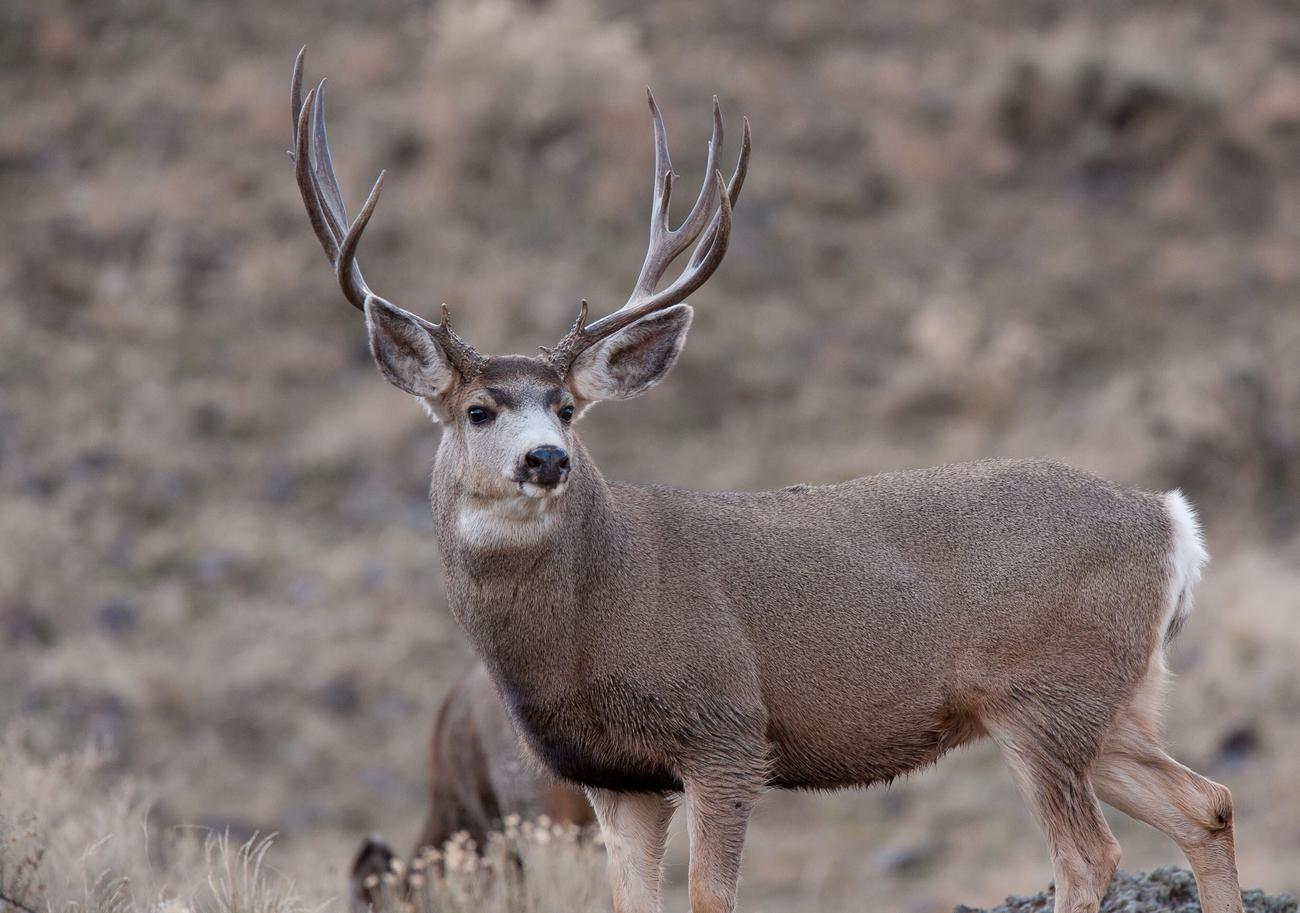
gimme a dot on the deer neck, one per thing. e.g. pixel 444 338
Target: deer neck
pixel 514 567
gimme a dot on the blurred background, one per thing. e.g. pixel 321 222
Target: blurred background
pixel 970 230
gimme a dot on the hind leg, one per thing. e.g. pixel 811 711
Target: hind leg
pixel 1085 854
pixel 1136 776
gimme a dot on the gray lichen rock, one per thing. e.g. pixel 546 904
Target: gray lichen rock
pixel 1167 890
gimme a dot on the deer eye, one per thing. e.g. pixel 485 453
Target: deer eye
pixel 477 415
pixel 566 414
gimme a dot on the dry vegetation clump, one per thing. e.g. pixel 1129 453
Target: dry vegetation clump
pixel 1003 229
pixel 73 840
pixel 529 867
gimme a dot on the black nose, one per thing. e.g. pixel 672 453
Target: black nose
pixel 547 465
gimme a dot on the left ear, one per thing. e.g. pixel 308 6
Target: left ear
pixel 633 360
pixel 405 353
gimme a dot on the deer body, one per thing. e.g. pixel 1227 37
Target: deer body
pixel 649 641
pixel 848 633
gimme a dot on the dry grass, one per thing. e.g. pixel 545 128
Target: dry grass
pixel 529 867
pixel 69 845
pixel 1011 228
pixel 75 840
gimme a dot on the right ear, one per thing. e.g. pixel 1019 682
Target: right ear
pixel 405 351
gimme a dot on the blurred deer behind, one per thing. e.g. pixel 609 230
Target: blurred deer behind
pixel 478 776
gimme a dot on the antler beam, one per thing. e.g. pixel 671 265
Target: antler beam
pixel 667 244
pixel 329 217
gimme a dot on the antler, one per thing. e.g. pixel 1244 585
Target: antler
pixel 667 244
pixel 329 217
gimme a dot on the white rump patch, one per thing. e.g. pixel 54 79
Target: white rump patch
pixel 1187 558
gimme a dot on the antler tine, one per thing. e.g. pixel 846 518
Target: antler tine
pixel 733 194
pixel 583 337
pixel 695 274
pixel 306 186
pixel 666 243
pixel 324 201
pixel 302 171
pixel 327 185
pixel 345 267
pixel 340 238
pixel 663 186
pixel 295 96
pixel 704 260
pixel 699 215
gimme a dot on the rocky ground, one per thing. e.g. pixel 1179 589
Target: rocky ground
pixel 1005 228
pixel 1165 890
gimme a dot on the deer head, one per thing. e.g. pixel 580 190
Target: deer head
pixel 509 418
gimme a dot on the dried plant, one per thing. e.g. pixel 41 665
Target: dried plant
pixel 528 867
pixel 70 845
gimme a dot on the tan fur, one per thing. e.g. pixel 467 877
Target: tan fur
pixel 657 640
pixel 649 641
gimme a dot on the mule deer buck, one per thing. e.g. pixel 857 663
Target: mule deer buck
pixel 650 641
pixel 478 776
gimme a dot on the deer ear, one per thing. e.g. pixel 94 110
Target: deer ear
pixel 375 858
pixel 405 351
pixel 633 360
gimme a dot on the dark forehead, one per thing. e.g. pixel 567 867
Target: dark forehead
pixel 518 376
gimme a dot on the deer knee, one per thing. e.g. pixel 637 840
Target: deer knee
pixel 1206 810
pixel 1216 811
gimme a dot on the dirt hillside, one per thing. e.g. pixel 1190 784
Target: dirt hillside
pixel 970 229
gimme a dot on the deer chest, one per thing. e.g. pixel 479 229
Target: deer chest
pixel 596 741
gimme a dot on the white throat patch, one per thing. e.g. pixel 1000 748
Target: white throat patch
pixel 516 520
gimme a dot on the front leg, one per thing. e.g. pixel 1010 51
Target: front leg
pixel 635 829
pixel 718 817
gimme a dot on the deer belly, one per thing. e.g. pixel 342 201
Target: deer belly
pixel 848 751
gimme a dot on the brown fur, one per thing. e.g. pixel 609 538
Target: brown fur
pixel 649 641
pixel 837 635
pixel 815 637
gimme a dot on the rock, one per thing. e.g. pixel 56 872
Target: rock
pixel 117 617
pixel 236 830
pixel 341 695
pixel 1165 890
pixel 22 624
pixel 1238 744
pixel 909 860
